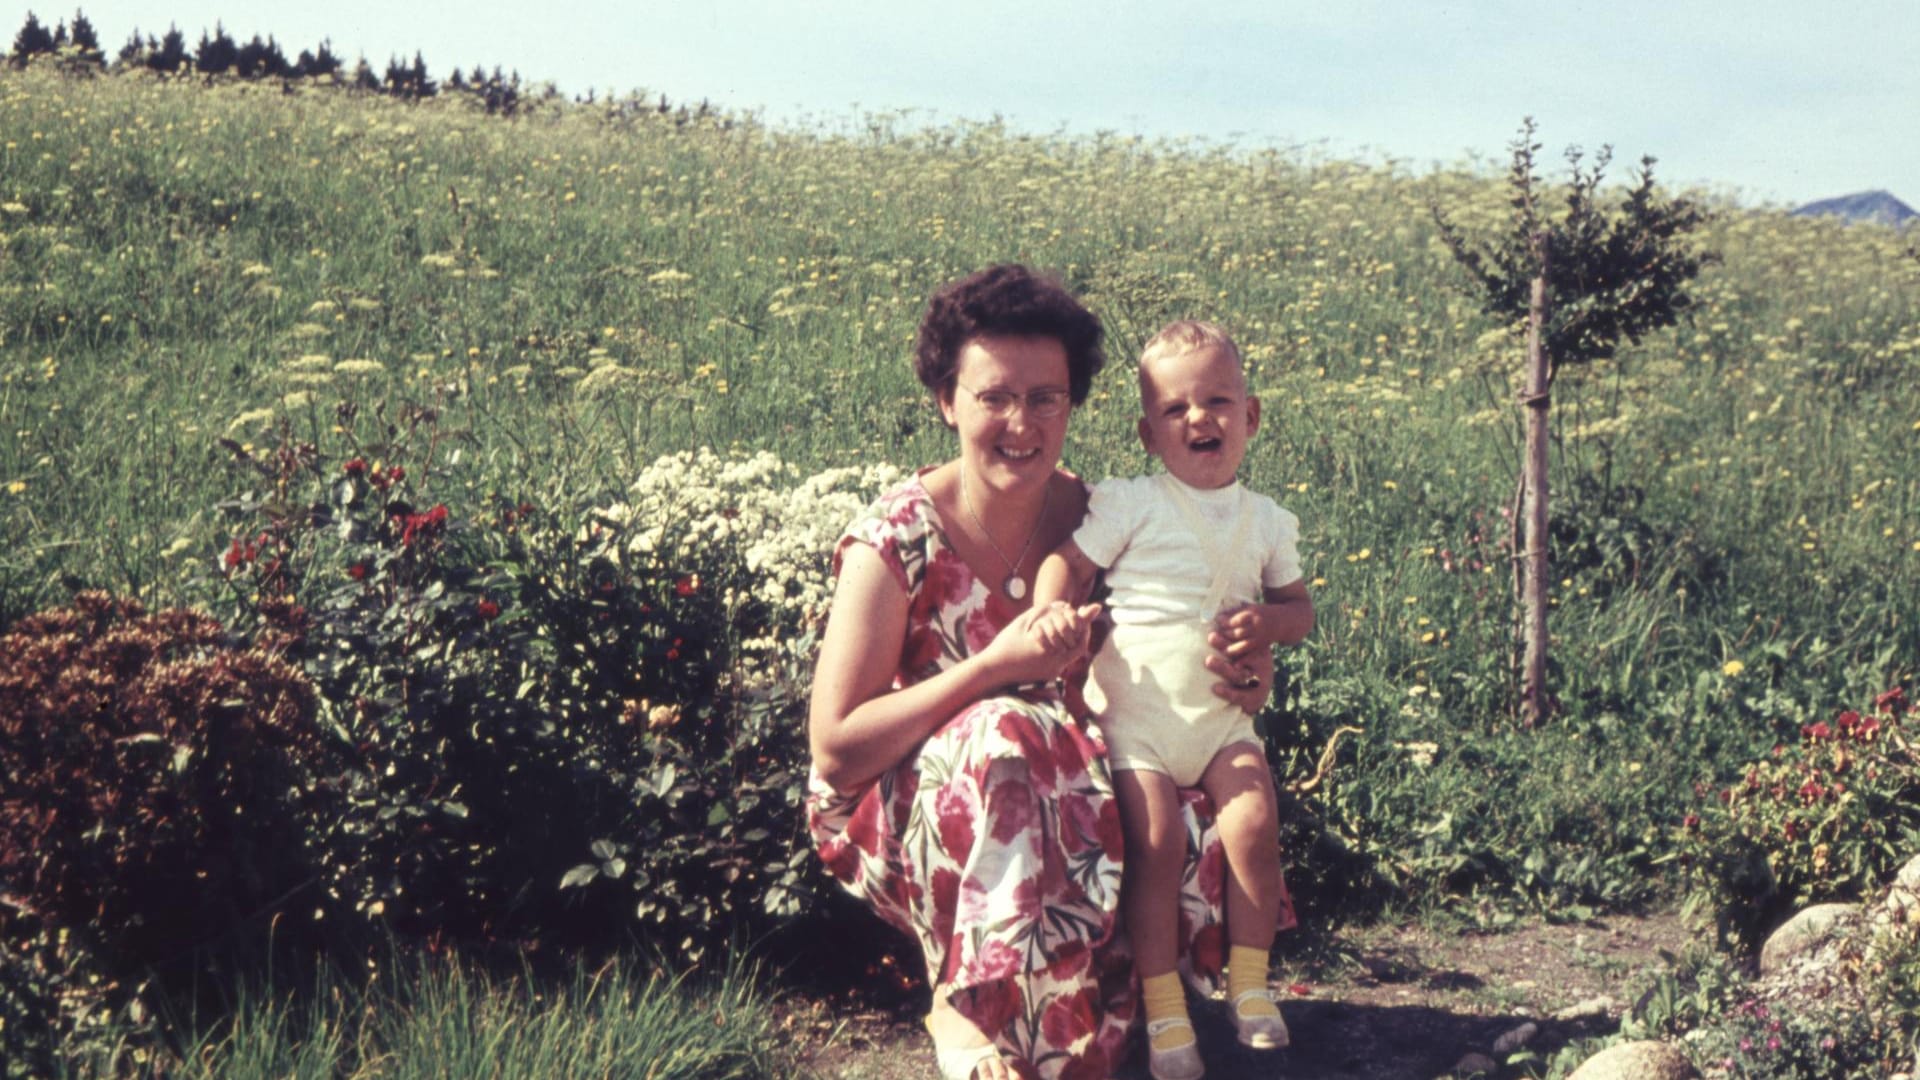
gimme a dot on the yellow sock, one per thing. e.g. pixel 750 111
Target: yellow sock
pixel 1164 999
pixel 1247 970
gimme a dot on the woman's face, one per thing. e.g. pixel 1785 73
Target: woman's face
pixel 1020 447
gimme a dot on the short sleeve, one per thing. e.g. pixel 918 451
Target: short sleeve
pixel 1282 565
pixel 1114 514
pixel 896 527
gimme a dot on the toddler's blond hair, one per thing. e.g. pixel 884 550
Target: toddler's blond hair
pixel 1179 338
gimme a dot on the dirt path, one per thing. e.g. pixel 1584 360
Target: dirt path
pixel 1376 1003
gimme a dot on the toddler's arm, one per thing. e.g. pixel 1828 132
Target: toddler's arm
pixel 1285 617
pixel 1059 587
pixel 1067 575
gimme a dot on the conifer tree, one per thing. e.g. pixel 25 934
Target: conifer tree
pixel 321 64
pixel 216 55
pixel 32 39
pixel 172 54
pixel 422 85
pixel 84 38
pixel 260 59
pixel 135 51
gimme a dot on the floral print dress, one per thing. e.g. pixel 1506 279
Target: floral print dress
pixel 998 845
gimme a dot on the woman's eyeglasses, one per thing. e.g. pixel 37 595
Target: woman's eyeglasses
pixel 1000 404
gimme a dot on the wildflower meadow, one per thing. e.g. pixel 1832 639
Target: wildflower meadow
pixel 496 460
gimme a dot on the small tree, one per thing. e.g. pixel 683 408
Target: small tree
pixel 1583 282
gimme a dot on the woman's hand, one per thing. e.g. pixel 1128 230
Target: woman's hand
pixel 1038 644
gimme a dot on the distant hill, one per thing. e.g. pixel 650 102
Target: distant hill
pixel 1876 206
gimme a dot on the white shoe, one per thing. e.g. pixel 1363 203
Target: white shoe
pixel 1260 1032
pixel 964 1063
pixel 1178 1063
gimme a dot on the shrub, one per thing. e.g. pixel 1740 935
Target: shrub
pixel 1827 818
pixel 558 724
pixel 158 778
pixel 156 772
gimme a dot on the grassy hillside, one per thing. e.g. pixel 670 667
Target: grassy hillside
pixel 583 288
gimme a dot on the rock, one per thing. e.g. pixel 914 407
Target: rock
pixel 1515 1039
pixel 1909 876
pixel 1801 934
pixel 1588 1009
pixel 1475 1065
pixel 1643 1060
pixel 1903 900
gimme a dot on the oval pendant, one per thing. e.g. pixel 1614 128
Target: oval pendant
pixel 1015 588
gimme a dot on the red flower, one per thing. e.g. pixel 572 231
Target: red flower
pixel 1012 812
pixel 422 526
pixel 687 585
pixel 946 580
pixel 236 555
pixel 1811 791
pixel 1817 731
pixel 358 571
pixel 1212 874
pixel 487 609
pixel 1299 989
pixel 1890 702
pixel 955 814
pixel 1209 952
pixel 863 828
pixel 1691 821
pixel 1068 1019
pixel 996 1003
pixel 356 467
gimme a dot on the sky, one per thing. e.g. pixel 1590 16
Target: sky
pixel 1772 102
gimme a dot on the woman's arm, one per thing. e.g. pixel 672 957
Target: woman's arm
pixel 858 727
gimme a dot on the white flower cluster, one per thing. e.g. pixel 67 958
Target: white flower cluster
pixel 753 523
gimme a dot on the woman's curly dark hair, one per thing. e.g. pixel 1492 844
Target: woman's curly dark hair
pixel 1011 300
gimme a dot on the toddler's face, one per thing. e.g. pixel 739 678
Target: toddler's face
pixel 1197 415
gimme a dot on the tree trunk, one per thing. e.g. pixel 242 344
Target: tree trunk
pixel 1533 685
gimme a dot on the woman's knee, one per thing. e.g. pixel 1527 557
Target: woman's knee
pixel 1016 737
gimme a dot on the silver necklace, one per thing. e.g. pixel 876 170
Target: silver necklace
pixel 1013 586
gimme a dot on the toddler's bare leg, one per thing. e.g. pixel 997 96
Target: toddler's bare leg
pixel 1150 900
pixel 1156 853
pixel 1241 787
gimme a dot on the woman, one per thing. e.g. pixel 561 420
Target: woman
pixel 952 788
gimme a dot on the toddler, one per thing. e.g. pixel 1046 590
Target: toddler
pixel 1187 552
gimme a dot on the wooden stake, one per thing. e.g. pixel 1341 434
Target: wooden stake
pixel 1533 685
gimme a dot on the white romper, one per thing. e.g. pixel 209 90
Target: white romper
pixel 1175 557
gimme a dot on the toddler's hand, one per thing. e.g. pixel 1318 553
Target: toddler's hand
pixel 1062 628
pixel 1243 629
